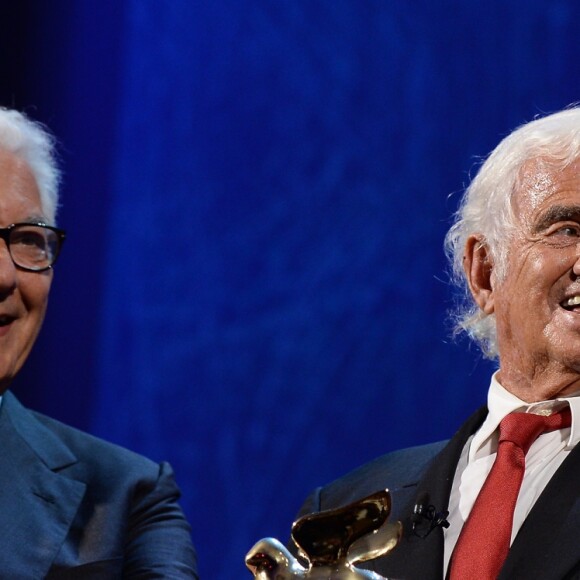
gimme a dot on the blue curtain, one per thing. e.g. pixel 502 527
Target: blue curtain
pixel 256 194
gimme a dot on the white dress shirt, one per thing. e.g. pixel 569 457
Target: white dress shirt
pixel 542 460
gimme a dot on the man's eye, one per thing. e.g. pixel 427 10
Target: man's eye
pixel 570 231
pixel 29 239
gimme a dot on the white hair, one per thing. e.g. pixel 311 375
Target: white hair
pixel 486 207
pixel 32 143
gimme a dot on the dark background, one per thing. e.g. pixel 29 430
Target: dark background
pixel 256 195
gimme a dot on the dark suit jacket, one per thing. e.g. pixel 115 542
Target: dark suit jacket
pixel 547 546
pixel 73 506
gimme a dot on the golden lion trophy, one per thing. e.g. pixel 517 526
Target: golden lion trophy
pixel 331 543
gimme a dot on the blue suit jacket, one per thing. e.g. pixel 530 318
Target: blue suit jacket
pixel 547 546
pixel 73 506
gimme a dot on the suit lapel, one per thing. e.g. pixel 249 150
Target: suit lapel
pixel 547 543
pixel 417 558
pixel 546 546
pixel 37 505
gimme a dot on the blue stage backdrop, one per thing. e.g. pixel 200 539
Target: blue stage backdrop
pixel 256 195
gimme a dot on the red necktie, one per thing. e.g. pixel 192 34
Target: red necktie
pixel 484 541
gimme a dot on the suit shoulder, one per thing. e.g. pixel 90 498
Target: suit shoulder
pixel 394 470
pixel 91 450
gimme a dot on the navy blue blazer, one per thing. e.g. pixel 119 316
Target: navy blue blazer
pixel 547 545
pixel 73 506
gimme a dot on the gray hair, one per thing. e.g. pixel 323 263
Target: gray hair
pixel 486 208
pixel 32 143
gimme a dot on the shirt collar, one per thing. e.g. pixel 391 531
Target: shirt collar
pixel 501 402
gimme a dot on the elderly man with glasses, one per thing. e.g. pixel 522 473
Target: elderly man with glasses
pixel 71 506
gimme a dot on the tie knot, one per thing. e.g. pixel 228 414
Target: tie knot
pixel 523 429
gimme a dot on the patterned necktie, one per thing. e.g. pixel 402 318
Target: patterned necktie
pixel 484 541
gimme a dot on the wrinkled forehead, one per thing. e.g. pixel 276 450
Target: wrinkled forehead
pixel 19 193
pixel 541 180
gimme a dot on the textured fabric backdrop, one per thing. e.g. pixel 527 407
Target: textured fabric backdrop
pixel 256 195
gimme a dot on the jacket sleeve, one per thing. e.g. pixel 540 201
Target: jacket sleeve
pixel 312 504
pixel 158 540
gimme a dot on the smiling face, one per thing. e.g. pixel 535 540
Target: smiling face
pixel 23 295
pixel 535 303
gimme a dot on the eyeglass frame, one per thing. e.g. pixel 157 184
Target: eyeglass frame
pixel 60 233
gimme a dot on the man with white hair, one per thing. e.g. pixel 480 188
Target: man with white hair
pixel 501 499
pixel 71 506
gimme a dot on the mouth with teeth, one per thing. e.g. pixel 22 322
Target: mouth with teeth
pixel 572 303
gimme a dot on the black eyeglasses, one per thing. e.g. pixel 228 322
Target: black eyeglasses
pixel 33 246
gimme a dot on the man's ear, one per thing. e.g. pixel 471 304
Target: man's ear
pixel 478 267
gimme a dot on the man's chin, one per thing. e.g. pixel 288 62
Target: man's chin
pixel 8 370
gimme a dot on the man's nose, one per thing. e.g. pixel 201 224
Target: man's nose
pixel 7 271
pixel 576 266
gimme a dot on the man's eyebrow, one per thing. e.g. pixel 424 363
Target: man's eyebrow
pixel 557 213
pixel 34 218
